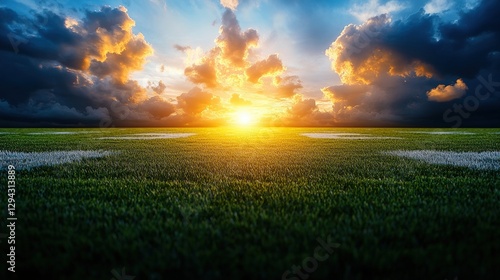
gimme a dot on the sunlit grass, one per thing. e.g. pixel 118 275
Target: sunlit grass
pixel 250 202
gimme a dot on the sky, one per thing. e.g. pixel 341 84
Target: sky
pixel 250 62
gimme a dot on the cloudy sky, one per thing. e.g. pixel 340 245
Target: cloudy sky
pixel 268 62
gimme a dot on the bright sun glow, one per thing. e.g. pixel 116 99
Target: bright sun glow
pixel 244 118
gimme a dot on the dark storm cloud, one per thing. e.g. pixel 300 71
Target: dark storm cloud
pixel 412 71
pixel 26 35
pixel 56 70
pixel 462 49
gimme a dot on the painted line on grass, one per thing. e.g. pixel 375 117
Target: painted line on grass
pixel 489 160
pixel 439 132
pixel 348 136
pixel 26 161
pixel 61 132
pixel 149 136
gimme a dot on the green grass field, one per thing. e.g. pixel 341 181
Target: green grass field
pixel 252 203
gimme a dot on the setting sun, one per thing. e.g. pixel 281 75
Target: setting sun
pixel 244 118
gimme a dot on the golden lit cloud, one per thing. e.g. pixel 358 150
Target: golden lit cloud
pixel 157 106
pixel 203 73
pixel 357 57
pixel 302 107
pixel 302 112
pixel 120 65
pixel 196 101
pixel 267 67
pixel 444 93
pixel 287 86
pixel 108 47
pixel 236 100
pixel 228 68
pixel 230 4
pixel 221 66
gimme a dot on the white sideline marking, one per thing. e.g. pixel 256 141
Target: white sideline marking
pixel 473 160
pixel 439 132
pixel 349 136
pixel 148 136
pixel 61 132
pixel 22 160
pixel 52 133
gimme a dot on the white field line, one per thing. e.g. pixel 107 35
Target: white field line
pixel 163 134
pixel 473 160
pixel 30 160
pixel 148 136
pixel 439 132
pixel 334 133
pixel 61 132
pixel 52 133
pixel 349 136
